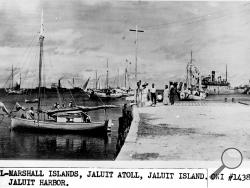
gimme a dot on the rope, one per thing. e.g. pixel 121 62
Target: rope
pixel 105 110
pixel 72 97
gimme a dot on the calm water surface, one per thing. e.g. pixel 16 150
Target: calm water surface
pixel 35 145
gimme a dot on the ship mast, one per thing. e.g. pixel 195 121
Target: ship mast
pixel 118 79
pixel 226 73
pixel 96 81
pixel 12 77
pixel 125 78
pixel 107 78
pixel 41 39
pixel 20 80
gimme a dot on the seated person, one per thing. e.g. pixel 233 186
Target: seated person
pixel 88 120
pixel 70 104
pixel 56 106
pixel 30 114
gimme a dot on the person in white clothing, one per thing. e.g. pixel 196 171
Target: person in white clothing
pixel 166 95
pixel 153 94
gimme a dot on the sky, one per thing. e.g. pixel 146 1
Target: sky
pixel 82 35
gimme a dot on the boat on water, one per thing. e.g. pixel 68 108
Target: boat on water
pixel 15 88
pixel 191 89
pixel 107 93
pixel 65 119
pixel 104 94
pixel 217 86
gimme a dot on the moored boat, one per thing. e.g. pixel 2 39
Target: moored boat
pixel 17 122
pixel 217 86
pixel 191 89
pixel 65 119
pixel 15 88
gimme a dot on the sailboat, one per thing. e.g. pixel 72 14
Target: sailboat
pixel 66 119
pixel 104 94
pixel 14 89
pixel 192 89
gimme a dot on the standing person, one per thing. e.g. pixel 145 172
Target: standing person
pixel 144 94
pixel 148 95
pixel 153 95
pixel 166 95
pixel 138 91
pixel 172 93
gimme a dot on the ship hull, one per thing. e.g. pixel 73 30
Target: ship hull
pixel 59 126
pixel 219 90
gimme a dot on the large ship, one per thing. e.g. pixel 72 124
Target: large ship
pixel 216 86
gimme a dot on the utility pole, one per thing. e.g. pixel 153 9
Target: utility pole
pixel 136 47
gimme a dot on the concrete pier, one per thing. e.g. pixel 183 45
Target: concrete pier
pixel 187 131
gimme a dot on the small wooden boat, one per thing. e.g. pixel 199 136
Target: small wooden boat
pixel 65 119
pixel 68 119
pixel 74 125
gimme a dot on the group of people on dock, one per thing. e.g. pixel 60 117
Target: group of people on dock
pixel 168 95
pixel 146 95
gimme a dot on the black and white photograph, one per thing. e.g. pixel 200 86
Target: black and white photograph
pixel 124 80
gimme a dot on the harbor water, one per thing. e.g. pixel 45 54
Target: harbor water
pixel 46 145
pixel 71 146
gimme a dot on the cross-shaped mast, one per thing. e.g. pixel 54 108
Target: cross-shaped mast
pixel 136 30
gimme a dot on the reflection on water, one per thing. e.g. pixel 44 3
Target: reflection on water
pixel 42 145
pixel 52 146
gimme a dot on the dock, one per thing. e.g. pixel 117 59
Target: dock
pixel 187 131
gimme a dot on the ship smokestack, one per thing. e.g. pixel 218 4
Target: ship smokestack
pixel 213 76
pixel 59 83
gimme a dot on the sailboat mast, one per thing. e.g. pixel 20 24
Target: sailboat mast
pixel 20 80
pixel 118 79
pixel 226 73
pixel 96 81
pixel 107 79
pixel 125 78
pixel 41 39
pixel 12 77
